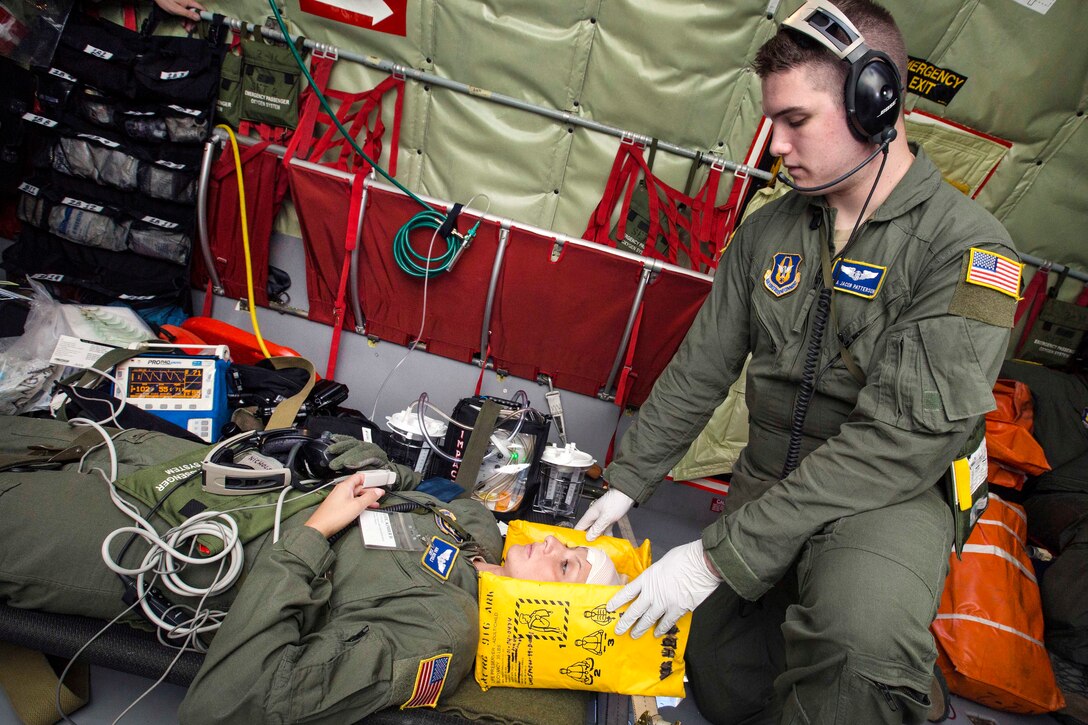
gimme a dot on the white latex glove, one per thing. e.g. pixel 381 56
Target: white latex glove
pixel 675 585
pixel 604 512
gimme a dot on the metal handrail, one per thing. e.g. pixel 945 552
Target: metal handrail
pixel 403 71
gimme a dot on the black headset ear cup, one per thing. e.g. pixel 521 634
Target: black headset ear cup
pixel 873 97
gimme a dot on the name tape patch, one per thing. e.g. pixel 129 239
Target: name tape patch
pixel 858 278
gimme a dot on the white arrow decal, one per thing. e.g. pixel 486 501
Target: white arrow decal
pixel 376 10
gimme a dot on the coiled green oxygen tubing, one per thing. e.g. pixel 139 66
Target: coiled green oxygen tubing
pixel 410 261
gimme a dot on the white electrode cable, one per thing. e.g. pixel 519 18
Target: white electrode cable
pixel 423 312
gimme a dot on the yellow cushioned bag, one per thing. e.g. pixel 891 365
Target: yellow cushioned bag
pixel 551 635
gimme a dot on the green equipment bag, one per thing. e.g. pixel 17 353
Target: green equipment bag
pixel 1058 332
pixel 271 81
pixel 228 105
pixel 1056 335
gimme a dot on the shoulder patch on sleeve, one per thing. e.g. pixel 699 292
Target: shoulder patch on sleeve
pixel 430 678
pixel 987 295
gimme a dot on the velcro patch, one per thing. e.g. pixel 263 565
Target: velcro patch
pixel 981 302
pixel 430 678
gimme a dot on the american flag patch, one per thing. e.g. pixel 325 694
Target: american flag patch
pixel 429 681
pixel 994 271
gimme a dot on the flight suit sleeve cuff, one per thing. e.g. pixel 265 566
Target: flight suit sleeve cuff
pixel 308 546
pixel 620 480
pixel 731 566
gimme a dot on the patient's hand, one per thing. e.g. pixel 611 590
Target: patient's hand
pixel 343 505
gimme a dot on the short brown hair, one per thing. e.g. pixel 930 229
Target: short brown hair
pixel 789 49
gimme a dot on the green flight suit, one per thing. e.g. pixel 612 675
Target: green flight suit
pixel 855 541
pixel 329 634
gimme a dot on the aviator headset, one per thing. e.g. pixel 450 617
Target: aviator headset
pixel 269 460
pixel 873 93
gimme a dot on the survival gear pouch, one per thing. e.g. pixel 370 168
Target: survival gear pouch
pixel 555 635
pixel 966 487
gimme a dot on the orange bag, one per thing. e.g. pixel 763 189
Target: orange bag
pixel 1013 452
pixel 989 626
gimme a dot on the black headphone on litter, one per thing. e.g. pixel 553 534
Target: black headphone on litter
pixel 874 92
pixel 260 461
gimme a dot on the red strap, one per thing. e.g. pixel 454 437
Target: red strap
pixel 597 226
pixel 1035 293
pixel 483 366
pixel 208 294
pixel 309 105
pixel 622 389
pixel 350 241
pixel 129 14
pixel 1082 298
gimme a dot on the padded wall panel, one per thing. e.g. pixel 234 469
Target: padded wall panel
pixel 564 318
pixel 669 307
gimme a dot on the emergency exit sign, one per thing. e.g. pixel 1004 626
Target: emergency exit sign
pixel 385 16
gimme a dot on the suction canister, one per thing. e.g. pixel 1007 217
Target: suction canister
pixel 406 444
pixel 563 471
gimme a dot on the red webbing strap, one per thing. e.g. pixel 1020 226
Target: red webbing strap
pixel 622 389
pixel 597 228
pixel 309 105
pixel 483 366
pixel 1036 288
pixel 635 163
pixel 354 209
pixel 1035 296
pixel 208 294
pixel 1082 298
pixel 129 14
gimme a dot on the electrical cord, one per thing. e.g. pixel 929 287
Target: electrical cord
pixel 816 334
pixel 245 236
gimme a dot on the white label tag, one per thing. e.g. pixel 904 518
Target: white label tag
pixel 29 189
pixel 61 74
pixel 186 111
pixel 390 530
pixel 42 120
pixel 169 164
pixel 73 352
pixel 81 204
pixel 159 222
pixel 367 435
pixel 173 75
pixel 1039 6
pixel 99 139
pixel 377 530
pixel 97 52
pixel 979 463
